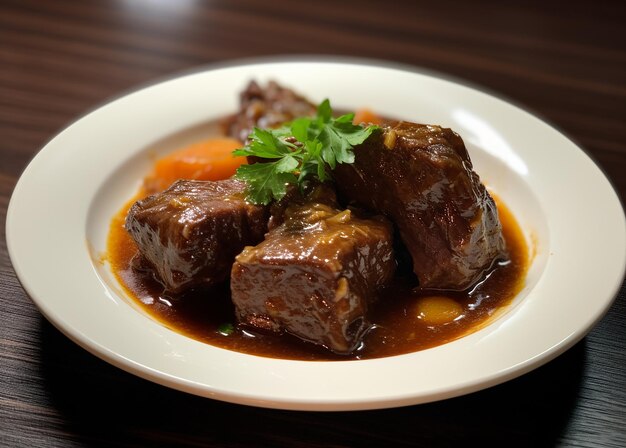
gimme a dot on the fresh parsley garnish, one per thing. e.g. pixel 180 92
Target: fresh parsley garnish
pixel 306 148
pixel 226 329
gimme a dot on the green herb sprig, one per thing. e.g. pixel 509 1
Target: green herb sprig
pixel 306 148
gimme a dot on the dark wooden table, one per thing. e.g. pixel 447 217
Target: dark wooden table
pixel 564 61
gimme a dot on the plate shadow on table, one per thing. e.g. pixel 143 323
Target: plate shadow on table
pixel 101 405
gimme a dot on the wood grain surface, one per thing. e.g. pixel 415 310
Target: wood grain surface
pixel 563 61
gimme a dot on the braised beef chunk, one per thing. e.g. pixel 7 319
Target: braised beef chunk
pixel 190 233
pixel 421 177
pixel 315 275
pixel 264 108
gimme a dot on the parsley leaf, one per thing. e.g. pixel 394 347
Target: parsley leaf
pixel 226 329
pixel 308 147
pixel 266 145
pixel 268 181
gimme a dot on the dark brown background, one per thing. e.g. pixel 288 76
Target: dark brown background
pixel 565 62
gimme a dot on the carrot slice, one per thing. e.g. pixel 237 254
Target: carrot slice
pixel 206 160
pixel 365 115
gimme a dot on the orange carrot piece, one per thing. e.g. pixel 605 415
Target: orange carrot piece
pixel 365 115
pixel 206 160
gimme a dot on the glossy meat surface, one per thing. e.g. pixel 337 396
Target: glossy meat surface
pixel 189 234
pixel 266 107
pixel 315 275
pixel 421 178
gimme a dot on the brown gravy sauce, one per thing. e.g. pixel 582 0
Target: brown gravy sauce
pixel 208 315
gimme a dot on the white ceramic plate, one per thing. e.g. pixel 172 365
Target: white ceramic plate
pixel 61 208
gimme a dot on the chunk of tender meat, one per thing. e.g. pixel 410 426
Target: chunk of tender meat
pixel 267 107
pixel 189 234
pixel 315 275
pixel 421 177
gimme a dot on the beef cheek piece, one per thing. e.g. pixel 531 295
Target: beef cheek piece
pixel 421 177
pixel 264 108
pixel 315 275
pixel 190 233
